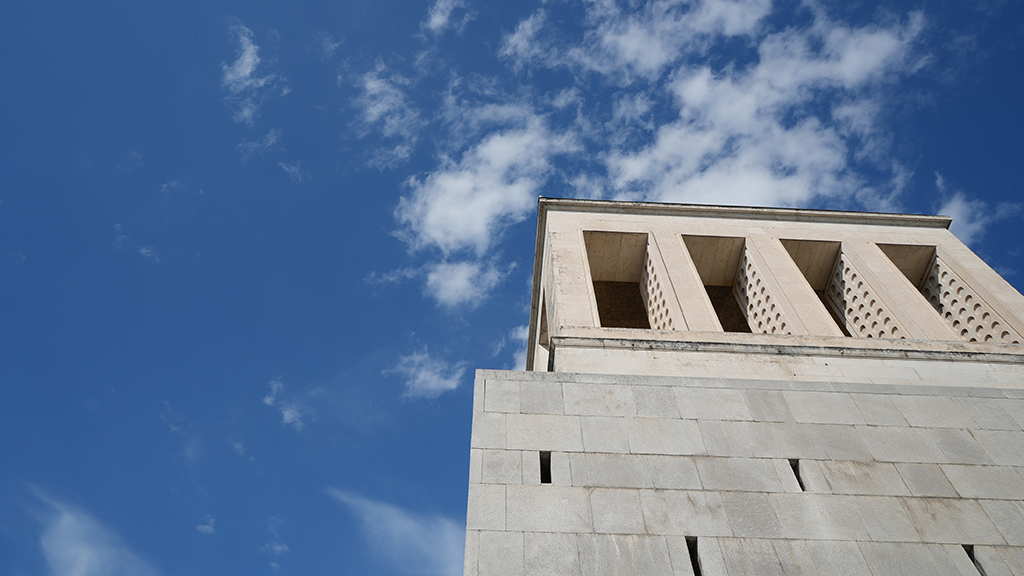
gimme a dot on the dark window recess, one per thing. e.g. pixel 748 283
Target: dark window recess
pixel 545 467
pixel 795 465
pixel 620 305
pixel 969 548
pixel 691 546
pixel 840 322
pixel 732 317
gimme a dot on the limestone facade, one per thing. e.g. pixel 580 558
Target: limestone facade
pixel 724 391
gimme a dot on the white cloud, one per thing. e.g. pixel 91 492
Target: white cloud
pixel 414 544
pixel 384 108
pixel 206 527
pixel 520 336
pixel 76 544
pixel 465 204
pixel 439 17
pixel 293 412
pixel 426 376
pixel 250 148
pixel 327 45
pixel 971 217
pixel 461 284
pixel 523 45
pixel 244 81
pixel 294 171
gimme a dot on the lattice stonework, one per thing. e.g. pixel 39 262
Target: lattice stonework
pixel 865 313
pixel 965 312
pixel 658 312
pixel 763 312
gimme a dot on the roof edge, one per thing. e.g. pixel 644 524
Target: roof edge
pixel 754 212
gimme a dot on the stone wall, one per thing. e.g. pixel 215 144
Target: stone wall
pixel 655 475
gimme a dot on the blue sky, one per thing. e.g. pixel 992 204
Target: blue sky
pixel 252 252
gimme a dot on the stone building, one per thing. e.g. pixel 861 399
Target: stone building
pixel 722 391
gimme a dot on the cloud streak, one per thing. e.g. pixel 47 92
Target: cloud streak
pixel 412 543
pixel 76 544
pixel 247 86
pixel 293 412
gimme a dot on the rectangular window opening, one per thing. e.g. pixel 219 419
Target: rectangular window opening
pixel 545 467
pixel 969 549
pixel 691 546
pixel 794 463
pixel 817 262
pixel 616 268
pixel 717 259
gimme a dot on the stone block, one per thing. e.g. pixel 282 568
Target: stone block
pixel 543 432
pixel 604 434
pixel 786 475
pixel 813 477
pixel 1014 406
pixel 767 406
pixel 785 440
pixel 598 399
pixel 822 407
pixel 616 511
pixel 742 474
pixel 899 558
pixel 925 480
pixel 724 438
pixel 794 558
pixel 1005 448
pixel 655 401
pixel 952 559
pixel 500 554
pixel 886 519
pixel 1008 516
pixel 548 508
pixel 988 413
pixel 488 430
pixel 469 563
pixel 878 410
pixel 674 472
pixel 501 396
pixel 959 446
pixel 540 398
pixel 711 403
pixel 684 513
pixel 951 521
pixel 867 478
pixel 710 556
pixel 991 560
pixel 1013 557
pixel 839 442
pixel 475 465
pixel 610 470
pixel 901 444
pixel 549 554
pixel 835 558
pixel 751 515
pixel 818 517
pixel 749 557
pixel 933 412
pixel 623 555
pixel 989 482
pixel 502 467
pixel 664 436
pixel 486 510
pixel 560 470
pixel 679 556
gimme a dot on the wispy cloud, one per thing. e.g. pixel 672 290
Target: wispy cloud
pixel 385 109
pixel 250 148
pixel 326 44
pixel 207 526
pixel 294 413
pixel 76 544
pixel 426 376
pixel 294 171
pixel 971 217
pixel 440 17
pixel 411 543
pixel 247 85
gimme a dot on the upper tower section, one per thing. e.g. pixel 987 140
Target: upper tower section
pixel 672 278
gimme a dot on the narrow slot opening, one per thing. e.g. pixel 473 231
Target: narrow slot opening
pixel 691 546
pixel 545 467
pixel 795 465
pixel 817 262
pixel 969 548
pixel 727 307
